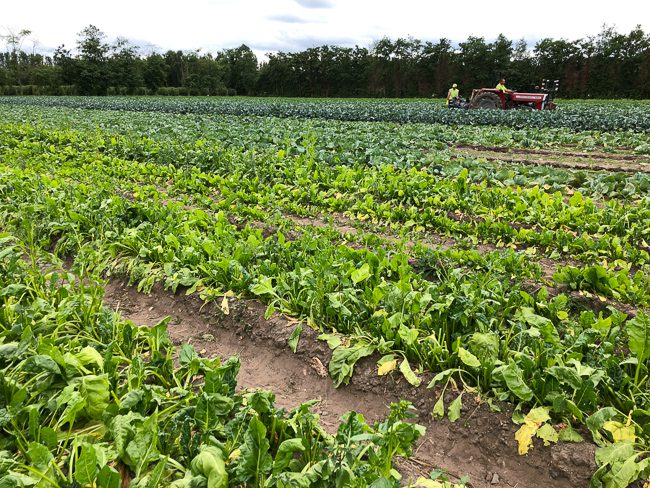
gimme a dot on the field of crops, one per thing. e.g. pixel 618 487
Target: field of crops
pixel 475 262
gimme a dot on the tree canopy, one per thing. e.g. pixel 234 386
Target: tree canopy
pixel 607 65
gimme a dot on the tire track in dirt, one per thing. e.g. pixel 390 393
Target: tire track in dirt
pixel 624 163
pixel 480 445
pixel 624 156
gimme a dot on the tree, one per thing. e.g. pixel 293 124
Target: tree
pixel 155 72
pixel 93 76
pixel 242 69
pixel 125 66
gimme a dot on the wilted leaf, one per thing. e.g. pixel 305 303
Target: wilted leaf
pixel 225 307
pixel 455 407
pixel 408 373
pixel 620 432
pixel 295 337
pixel 468 358
pixel 548 434
pixel 387 366
pixel 439 407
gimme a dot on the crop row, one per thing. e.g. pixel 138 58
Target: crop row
pixel 88 399
pixel 477 326
pixel 174 140
pixel 375 142
pixel 467 205
pixel 604 117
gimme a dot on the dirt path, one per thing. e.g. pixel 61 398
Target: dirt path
pixel 596 161
pixel 481 444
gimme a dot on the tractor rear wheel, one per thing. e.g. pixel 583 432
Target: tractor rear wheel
pixel 487 100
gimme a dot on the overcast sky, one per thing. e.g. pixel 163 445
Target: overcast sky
pixel 293 25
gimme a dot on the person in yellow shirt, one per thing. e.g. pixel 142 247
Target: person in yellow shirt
pixel 501 86
pixel 452 93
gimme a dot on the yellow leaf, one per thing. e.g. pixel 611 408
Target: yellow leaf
pixel 524 436
pixel 387 367
pixel 224 306
pixel 234 456
pixel 548 434
pixel 425 483
pixel 537 416
pixel 620 432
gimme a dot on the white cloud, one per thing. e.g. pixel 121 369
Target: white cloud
pixel 296 24
pixel 315 3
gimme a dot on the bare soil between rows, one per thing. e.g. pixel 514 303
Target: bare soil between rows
pixel 481 444
pixel 592 161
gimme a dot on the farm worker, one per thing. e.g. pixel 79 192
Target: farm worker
pixel 501 86
pixel 452 93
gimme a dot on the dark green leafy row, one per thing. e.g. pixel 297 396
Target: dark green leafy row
pixel 475 204
pixel 87 399
pixel 574 116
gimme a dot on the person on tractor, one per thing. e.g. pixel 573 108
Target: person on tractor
pixel 501 86
pixel 452 94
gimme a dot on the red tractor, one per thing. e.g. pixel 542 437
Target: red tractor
pixel 491 98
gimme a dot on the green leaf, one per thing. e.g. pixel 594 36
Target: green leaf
pixel 408 373
pixel 95 390
pixel 619 451
pixel 210 463
pixel 566 376
pixel 156 475
pixel 569 434
pixel 255 461
pixel 85 468
pixel 285 454
pixel 485 346
pixel 89 355
pixel 187 354
pixel 596 421
pixel 408 335
pixel 13 289
pixel 638 332
pixel 623 474
pixel 333 340
pixel 41 363
pixel 209 408
pixel 48 437
pixel 468 358
pixel 513 377
pixel 270 310
pixel 142 450
pixel 295 337
pixel 440 377
pixel 361 274
pixel 108 478
pixel 123 429
pixel 343 360
pixel 455 407
pixel 576 199
pixel 8 350
pixel 439 407
pixel 263 287
pixel 544 325
pixel 39 455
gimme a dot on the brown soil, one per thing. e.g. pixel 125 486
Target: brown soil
pixel 627 163
pixel 625 156
pixel 481 444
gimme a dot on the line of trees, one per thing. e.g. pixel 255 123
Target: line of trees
pixel 607 65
